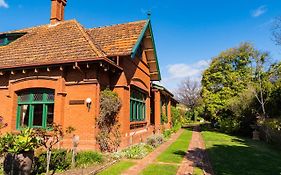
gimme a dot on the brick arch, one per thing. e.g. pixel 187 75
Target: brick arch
pixel 139 83
pixel 36 83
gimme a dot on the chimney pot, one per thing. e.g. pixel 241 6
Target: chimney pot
pixel 57 10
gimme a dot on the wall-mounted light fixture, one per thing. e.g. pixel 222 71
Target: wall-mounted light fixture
pixel 89 103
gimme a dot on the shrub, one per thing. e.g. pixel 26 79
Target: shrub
pixel 176 116
pixel 228 125
pixel 167 133
pixel 155 140
pixel 176 128
pixel 164 118
pixel 60 161
pixel 109 137
pixel 85 158
pixel 138 151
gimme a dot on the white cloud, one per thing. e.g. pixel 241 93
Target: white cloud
pixel 3 4
pixel 178 72
pixel 259 11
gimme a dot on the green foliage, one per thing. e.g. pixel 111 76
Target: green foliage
pixel 176 116
pixel 176 128
pixel 237 88
pixel 164 118
pixel 109 136
pixel 167 133
pixel 60 161
pixel 155 140
pixel 138 151
pixel 86 158
pixel 25 141
pixel 229 125
pixel 227 76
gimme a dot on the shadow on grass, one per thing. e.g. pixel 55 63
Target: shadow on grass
pixel 233 160
pixel 180 152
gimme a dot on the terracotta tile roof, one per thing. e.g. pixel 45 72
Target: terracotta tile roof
pixel 117 39
pixel 64 42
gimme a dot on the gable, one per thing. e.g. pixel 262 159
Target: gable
pixel 145 45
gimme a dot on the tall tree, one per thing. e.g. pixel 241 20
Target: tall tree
pixel 228 75
pixel 188 92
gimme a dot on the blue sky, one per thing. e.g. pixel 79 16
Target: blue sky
pixel 187 33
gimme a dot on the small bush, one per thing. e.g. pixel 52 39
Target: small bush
pixel 176 128
pixel 138 151
pixel 85 158
pixel 228 125
pixel 167 133
pixel 155 140
pixel 176 116
pixel 164 118
pixel 60 161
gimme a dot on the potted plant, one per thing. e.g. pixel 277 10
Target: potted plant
pixel 19 151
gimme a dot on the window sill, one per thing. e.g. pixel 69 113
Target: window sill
pixel 137 124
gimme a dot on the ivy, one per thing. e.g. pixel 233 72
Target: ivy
pixel 108 137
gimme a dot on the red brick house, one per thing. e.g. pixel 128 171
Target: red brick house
pixel 49 73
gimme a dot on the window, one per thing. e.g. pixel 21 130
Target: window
pixel 137 105
pixel 5 39
pixel 35 108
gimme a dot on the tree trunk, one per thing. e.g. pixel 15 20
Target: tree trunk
pixel 49 152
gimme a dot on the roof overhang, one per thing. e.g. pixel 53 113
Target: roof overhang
pixel 162 89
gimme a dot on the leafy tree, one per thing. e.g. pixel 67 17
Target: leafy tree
pixel 228 75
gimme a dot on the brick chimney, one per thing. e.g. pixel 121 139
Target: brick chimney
pixel 57 11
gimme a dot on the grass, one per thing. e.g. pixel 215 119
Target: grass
pixel 232 155
pixel 173 154
pixel 197 171
pixel 117 168
pixel 160 169
pixel 176 151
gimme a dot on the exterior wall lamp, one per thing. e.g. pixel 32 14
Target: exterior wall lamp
pixel 89 103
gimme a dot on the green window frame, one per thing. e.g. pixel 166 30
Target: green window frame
pixel 35 108
pixel 137 105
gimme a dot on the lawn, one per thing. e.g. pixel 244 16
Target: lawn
pixel 176 151
pixel 117 168
pixel 232 155
pixel 173 155
pixel 160 169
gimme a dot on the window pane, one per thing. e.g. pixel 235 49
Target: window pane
pixel 50 114
pixel 131 110
pixel 24 97
pixel 38 96
pixel 24 115
pixel 50 97
pixel 38 115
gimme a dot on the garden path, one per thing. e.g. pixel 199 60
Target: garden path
pixel 143 163
pixel 196 156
